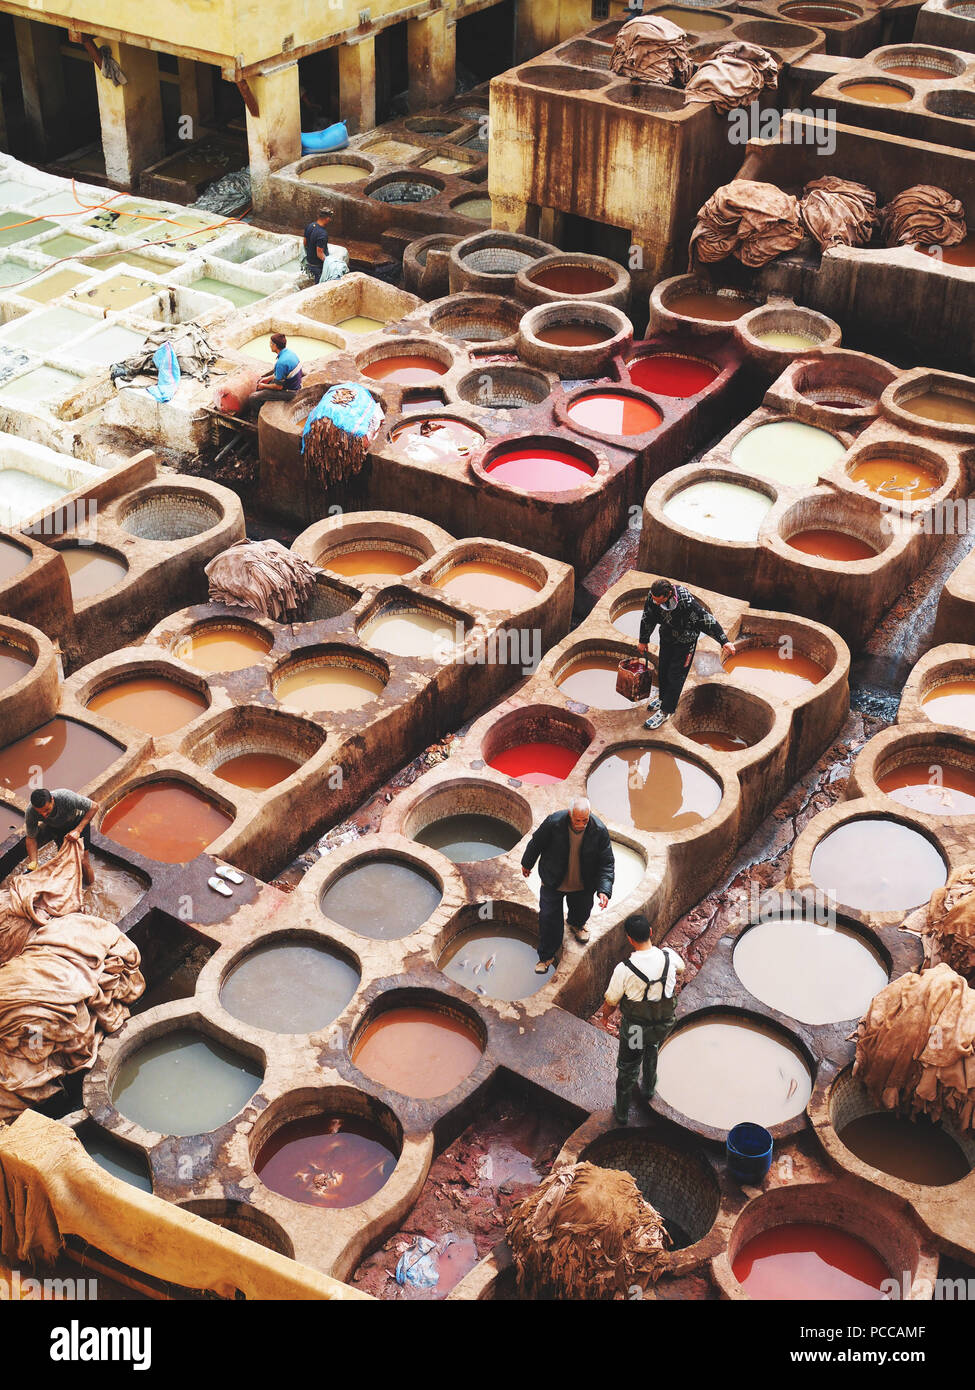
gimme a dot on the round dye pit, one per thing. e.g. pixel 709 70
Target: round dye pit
pixel 667 374
pixel 115 1158
pixel 838 546
pixel 787 342
pixel 184 1083
pixel 628 621
pixel 222 648
pixel 678 1184
pixel 14 664
pixel 308 349
pixel 469 838
pixel 933 786
pixel 877 865
pixel 630 867
pixel 878 93
pixel 166 821
pixel 170 515
pixel 67 754
pixel 722 511
pixel 809 1262
pixel 821 14
pixel 613 412
pixel 720 1072
pixel 809 971
pixel 334 174
pixel 913 1150
pixel 404 632
pixel 963 253
pixel 477 207
pixel 571 279
pixel 921 71
pixel 540 469
pixel 405 370
pixel 773 671
pixel 289 987
pixel 91 571
pixel 435 439
pixel 653 789
pixel 573 334
pixel 371 564
pixel 591 680
pixel 419 1052
pixel 720 742
pixel 152 704
pixel 788 451
pixel 383 898
pixel 257 772
pixel 539 763
pixel 951 702
pixel 895 478
pixel 361 323
pixel 488 585
pixel 327 1161
pixel 497 962
pixel 12 560
pixel 717 308
pixel 939 406
pixel 326 687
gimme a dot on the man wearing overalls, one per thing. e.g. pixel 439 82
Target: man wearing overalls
pixel 643 987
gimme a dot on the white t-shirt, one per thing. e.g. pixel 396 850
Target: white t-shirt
pixel 650 963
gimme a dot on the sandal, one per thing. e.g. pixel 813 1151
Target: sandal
pixel 581 934
pixel 542 967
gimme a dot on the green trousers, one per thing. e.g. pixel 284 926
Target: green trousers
pixel 642 1031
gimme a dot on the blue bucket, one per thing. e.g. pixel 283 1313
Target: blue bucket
pixel 749 1150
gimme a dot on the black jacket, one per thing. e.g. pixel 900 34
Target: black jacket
pixel 550 846
pixel 684 624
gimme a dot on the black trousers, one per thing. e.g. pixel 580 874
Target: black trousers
pixel 314 269
pixel 551 924
pixel 673 670
pixel 45 836
pixel 257 399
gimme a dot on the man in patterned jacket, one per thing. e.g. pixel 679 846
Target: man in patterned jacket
pixel 682 619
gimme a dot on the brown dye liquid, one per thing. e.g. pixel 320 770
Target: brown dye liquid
pixel 326 688
pixel 383 899
pixel 653 789
pixel 67 754
pixel 222 648
pixel 91 571
pixel 721 743
pixel 166 821
pixel 371 566
pixel 937 405
pixel 418 1052
pixel 12 560
pixel 14 665
pixel 150 703
pixel 961 254
pixel 722 308
pixel 768 670
pixel 913 1150
pixel 405 370
pixel 879 93
pixel 952 702
pixel 895 478
pixel 831 545
pixel 572 279
pixel 488 585
pixel 574 334
pixel 257 771
pixel 915 70
pixel 324 1162
pixel 936 788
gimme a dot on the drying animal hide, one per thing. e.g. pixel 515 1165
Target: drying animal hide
pixel 949 933
pixel 916 1047
pixel 69 983
pixel 338 432
pixel 650 49
pixel 837 212
pixel 924 214
pixel 193 353
pixel 586 1233
pixel 754 222
pixel 735 75
pixel 262 575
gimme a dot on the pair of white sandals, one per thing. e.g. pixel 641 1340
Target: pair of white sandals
pixel 581 935
pixel 221 885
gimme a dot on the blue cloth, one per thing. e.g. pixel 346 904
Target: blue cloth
pixel 287 369
pixel 355 417
pixel 167 366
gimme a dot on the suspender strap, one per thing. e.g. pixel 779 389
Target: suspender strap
pixel 660 980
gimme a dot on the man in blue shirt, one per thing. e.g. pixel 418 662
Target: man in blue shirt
pixel 316 242
pixel 282 382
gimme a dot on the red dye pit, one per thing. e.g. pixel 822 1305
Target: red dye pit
pixel 165 821
pixel 611 412
pixel 540 470
pixel 832 545
pixel 327 1162
pixel 807 1261
pixel 536 763
pixel 572 279
pixel 669 375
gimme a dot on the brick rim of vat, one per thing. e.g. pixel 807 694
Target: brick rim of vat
pixel 576 733
pixel 226 959
pixel 837 512
pixel 247 1214
pixel 949 661
pixel 620 283
pixel 474 306
pixel 406 175
pixel 901 745
pixel 670 485
pixel 959 97
pixel 479 465
pixel 726 780
pixel 785 317
pixel 494 798
pixel 560 312
pixel 331 653
pixel 516 242
pixel 730 693
pixel 943 62
pixel 917 382
pixel 142 499
pixel 254 724
pixel 535 382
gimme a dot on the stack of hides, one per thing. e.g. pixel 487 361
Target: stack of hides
pixel 736 75
pixel 923 214
pixel 755 222
pixel 949 933
pixel 262 575
pixel 337 434
pixel 837 212
pixel 651 49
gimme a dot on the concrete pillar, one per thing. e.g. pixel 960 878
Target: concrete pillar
pixel 432 50
pixel 357 85
pixel 131 115
pixel 42 81
pixel 195 93
pixel 536 29
pixel 274 134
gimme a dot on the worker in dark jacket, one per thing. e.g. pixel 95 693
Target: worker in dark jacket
pixel 575 863
pixel 682 619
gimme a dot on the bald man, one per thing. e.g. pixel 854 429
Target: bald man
pixel 575 863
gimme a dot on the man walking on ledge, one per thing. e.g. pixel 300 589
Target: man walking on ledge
pixel 682 619
pixel 575 863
